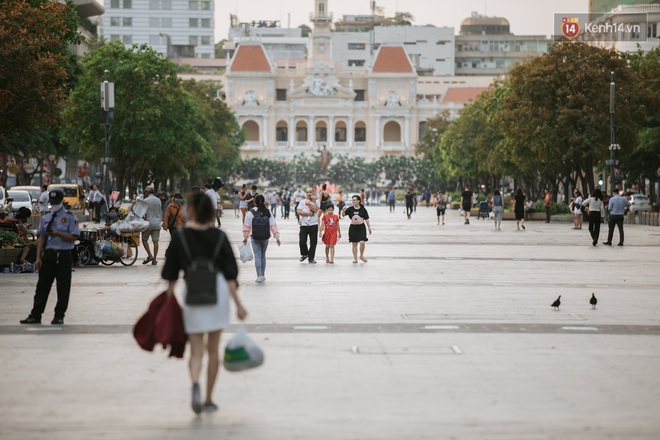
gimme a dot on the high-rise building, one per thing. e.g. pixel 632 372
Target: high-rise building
pixel 599 7
pixel 176 28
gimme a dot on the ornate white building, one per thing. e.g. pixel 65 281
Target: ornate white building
pixel 289 108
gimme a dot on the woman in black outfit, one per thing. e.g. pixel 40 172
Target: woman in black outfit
pixel 202 321
pixel 357 232
pixel 325 198
pixel 519 208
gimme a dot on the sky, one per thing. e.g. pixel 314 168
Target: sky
pixel 527 17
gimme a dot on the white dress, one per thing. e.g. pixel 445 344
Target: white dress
pixel 205 319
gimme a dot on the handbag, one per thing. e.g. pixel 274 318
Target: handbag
pixel 172 220
pixel 201 276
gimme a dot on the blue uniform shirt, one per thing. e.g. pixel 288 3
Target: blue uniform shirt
pixel 64 222
pixel 618 205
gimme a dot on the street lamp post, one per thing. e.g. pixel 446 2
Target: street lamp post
pixel 107 118
pixel 613 145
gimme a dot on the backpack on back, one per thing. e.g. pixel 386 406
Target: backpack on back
pixel 260 226
pixel 201 276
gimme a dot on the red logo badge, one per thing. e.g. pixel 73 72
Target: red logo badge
pixel 570 27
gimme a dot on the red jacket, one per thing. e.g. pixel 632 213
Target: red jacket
pixel 162 323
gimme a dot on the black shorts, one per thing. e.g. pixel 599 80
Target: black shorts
pixel 467 208
pixel 440 211
pixel 324 206
pixel 357 233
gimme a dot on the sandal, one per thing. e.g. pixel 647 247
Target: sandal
pixel 148 260
pixel 364 260
pixel 155 262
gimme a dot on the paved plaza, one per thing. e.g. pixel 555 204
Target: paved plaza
pixel 446 333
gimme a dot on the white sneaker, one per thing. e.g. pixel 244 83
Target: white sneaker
pixel 258 280
pixel 263 279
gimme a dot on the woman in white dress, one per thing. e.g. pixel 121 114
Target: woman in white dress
pixel 202 321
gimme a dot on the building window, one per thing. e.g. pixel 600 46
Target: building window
pixel 154 40
pixel 166 5
pixel 127 21
pixel 340 134
pixel 359 95
pixel 154 22
pixel 193 5
pixel 205 5
pixel 193 40
pixel 115 37
pixel 154 4
pixel 361 134
pixel 355 63
pixel 206 22
pixel 127 39
pixel 422 129
pixel 499 64
pixel 206 40
pixel 301 134
pixel 115 21
pixel 281 94
pixel 166 22
pixel 114 4
pixel 206 55
pixel 357 46
pixel 193 22
pixel 442 42
pixel 281 134
pixel 321 134
pixel 440 60
pixel 128 4
pixel 653 30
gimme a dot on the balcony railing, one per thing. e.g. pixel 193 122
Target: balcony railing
pixel 281 144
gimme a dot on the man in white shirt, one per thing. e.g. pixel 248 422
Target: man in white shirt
pixel 154 216
pixel 94 198
pixel 43 199
pixel 209 191
pixel 309 227
pixel 298 197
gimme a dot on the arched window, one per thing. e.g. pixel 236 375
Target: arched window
pixel 340 132
pixel 321 9
pixel 251 129
pixel 392 132
pixel 282 132
pixel 301 131
pixel 360 132
pixel 321 132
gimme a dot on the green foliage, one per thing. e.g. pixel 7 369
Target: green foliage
pixel 435 128
pixel 219 48
pixel 306 30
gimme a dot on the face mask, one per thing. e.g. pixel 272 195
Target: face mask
pixel 56 208
pixel 179 201
pixel 112 215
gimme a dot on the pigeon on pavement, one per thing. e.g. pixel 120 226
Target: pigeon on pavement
pixel 557 303
pixel 593 301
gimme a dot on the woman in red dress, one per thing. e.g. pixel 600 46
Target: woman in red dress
pixel 329 232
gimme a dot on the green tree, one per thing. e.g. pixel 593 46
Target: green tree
pixel 219 48
pixel 155 127
pixel 306 30
pixel 36 68
pixel 435 127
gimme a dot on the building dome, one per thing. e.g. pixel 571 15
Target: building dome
pixel 479 25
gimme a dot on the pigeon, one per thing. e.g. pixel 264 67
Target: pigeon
pixel 593 301
pixel 557 303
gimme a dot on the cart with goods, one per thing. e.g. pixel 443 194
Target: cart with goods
pixel 11 246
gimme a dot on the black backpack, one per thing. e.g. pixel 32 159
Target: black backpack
pixel 201 276
pixel 260 226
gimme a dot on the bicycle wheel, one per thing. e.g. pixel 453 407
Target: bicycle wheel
pixel 107 262
pixel 84 256
pixel 131 256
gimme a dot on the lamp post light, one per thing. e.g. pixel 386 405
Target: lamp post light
pixel 107 118
pixel 613 145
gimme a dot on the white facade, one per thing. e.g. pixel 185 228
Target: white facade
pixel 172 27
pixel 646 16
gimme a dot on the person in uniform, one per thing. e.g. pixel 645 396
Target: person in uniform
pixel 57 234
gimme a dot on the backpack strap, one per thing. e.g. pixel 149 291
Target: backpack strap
pixel 216 251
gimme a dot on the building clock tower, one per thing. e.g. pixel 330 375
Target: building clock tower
pixel 321 37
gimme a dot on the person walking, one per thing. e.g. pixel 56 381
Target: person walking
pixel 57 232
pixel 174 218
pixel 213 195
pixel 330 232
pixel 243 205
pixel 251 196
pixel 260 225
pixel 391 200
pixel 595 206
pixel 497 203
pixel 547 203
pixel 519 208
pixel 410 203
pixel 42 203
pixel 286 204
pixel 466 204
pixel 617 207
pixel 357 232
pixel 199 239
pixel 94 198
pixel 298 197
pixel 236 203
pixel 576 208
pixel 340 200
pixel 440 207
pixel 309 227
pixel 273 201
pixel 324 199
pixel 154 216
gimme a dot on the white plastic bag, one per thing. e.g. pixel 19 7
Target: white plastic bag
pixel 245 251
pixel 242 353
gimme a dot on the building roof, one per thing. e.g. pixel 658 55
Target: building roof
pixel 459 95
pixel 392 59
pixel 250 58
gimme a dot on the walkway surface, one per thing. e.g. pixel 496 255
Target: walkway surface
pixel 446 333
